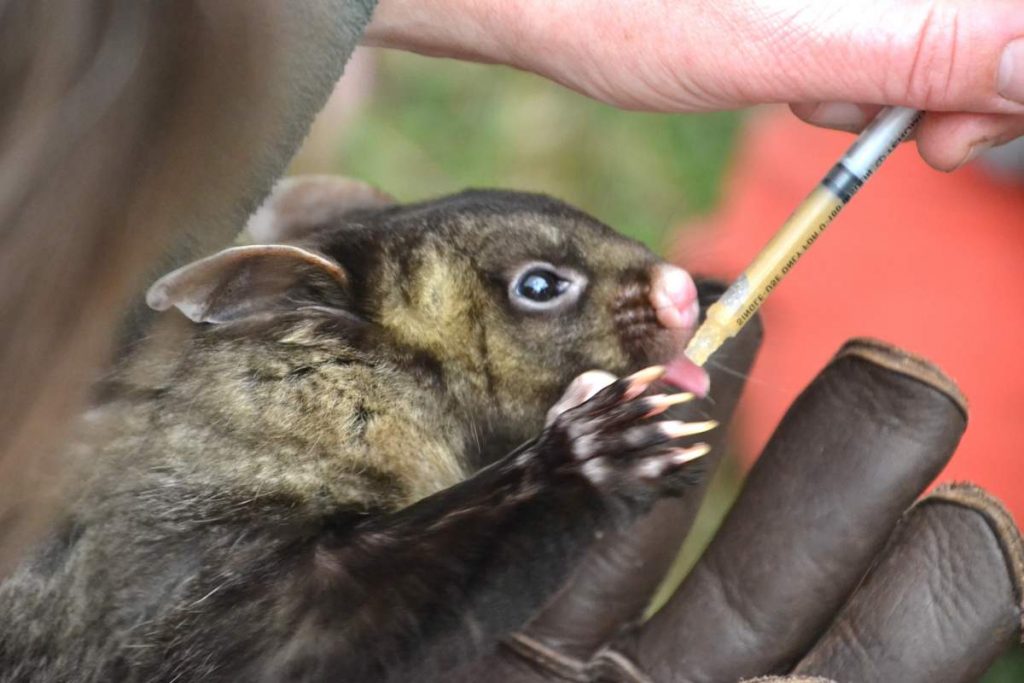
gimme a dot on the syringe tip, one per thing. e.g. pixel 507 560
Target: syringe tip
pixel 705 342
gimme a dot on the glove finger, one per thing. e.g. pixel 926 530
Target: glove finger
pixel 943 601
pixel 851 454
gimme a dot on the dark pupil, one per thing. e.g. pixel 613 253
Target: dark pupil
pixel 541 285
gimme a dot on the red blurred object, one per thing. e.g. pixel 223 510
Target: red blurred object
pixel 931 262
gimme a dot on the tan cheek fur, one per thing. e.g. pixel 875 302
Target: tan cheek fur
pixel 437 310
pixel 453 318
pixel 446 312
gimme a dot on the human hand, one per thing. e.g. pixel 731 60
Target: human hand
pixel 962 61
pixel 814 571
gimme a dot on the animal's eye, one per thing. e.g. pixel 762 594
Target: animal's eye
pixel 542 287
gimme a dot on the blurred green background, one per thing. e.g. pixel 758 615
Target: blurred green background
pixel 430 127
pixel 419 128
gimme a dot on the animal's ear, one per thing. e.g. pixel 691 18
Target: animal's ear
pixel 242 281
pixel 301 203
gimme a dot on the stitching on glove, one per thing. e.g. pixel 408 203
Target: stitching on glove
pixel 565 667
pixel 906 363
pixel 999 520
pixel 612 665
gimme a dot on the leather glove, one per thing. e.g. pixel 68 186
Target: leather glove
pixel 816 571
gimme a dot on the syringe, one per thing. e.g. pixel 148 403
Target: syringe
pixel 739 303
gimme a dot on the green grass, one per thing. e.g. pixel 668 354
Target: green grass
pixel 433 127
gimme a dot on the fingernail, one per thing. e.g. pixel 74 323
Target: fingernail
pixel 841 115
pixel 638 382
pixel 1011 71
pixel 677 398
pixel 687 454
pixel 973 152
pixel 647 375
pixel 677 429
pixel 662 402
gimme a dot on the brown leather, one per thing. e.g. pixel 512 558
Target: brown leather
pixel 854 451
pixel 942 603
pixel 611 666
pixel 534 657
pixel 906 363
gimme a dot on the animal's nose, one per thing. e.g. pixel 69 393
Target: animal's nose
pixel 673 296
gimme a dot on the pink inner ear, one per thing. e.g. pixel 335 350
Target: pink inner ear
pixel 238 281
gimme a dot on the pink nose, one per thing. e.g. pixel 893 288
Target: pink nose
pixel 674 297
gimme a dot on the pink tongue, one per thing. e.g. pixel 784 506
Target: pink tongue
pixel 688 376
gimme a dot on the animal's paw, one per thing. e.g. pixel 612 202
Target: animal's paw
pixel 607 431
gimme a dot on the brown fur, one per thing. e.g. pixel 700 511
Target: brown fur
pixel 438 360
pixel 226 457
